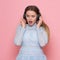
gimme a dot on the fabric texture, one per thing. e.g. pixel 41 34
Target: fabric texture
pixel 31 39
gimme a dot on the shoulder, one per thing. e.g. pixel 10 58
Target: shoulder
pixel 42 29
pixel 19 26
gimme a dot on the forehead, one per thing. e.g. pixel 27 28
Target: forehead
pixel 30 12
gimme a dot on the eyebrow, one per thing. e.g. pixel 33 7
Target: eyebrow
pixel 28 15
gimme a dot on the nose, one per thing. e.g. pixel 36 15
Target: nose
pixel 30 18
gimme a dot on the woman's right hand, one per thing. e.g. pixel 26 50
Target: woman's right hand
pixel 39 22
pixel 23 22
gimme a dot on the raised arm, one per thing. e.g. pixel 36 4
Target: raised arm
pixel 42 36
pixel 19 35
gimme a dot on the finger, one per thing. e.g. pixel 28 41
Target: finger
pixel 24 20
pixel 20 21
pixel 41 18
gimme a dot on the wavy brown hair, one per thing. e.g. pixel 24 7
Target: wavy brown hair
pixel 35 9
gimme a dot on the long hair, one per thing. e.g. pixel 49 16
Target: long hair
pixel 35 9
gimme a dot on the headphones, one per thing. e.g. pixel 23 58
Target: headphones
pixel 38 16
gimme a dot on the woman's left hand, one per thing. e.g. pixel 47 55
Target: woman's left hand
pixel 39 22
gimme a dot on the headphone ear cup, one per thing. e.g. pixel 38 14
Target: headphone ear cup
pixel 38 17
pixel 24 16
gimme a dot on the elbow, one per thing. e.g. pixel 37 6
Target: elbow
pixel 43 43
pixel 17 43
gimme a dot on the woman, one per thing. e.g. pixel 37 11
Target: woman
pixel 32 34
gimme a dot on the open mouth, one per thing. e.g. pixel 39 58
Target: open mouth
pixel 30 22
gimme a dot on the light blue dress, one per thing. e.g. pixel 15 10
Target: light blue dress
pixel 31 39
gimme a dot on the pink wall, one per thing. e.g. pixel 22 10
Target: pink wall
pixel 12 10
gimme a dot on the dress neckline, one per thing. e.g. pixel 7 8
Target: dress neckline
pixel 31 27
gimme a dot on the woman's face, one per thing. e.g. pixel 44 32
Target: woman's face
pixel 31 17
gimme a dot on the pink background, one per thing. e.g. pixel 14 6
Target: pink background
pixel 12 10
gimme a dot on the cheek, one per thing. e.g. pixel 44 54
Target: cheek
pixel 26 18
pixel 34 18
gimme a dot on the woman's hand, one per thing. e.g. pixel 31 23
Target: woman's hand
pixel 23 22
pixel 39 22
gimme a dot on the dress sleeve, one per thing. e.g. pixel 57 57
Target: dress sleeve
pixel 42 36
pixel 19 35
